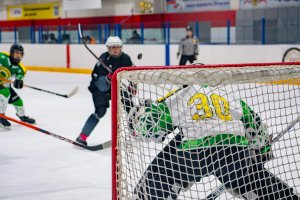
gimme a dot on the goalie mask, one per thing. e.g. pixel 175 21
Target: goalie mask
pixel 150 121
pixel 114 46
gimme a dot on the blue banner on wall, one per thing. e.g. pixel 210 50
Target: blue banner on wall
pixel 252 4
pixel 196 5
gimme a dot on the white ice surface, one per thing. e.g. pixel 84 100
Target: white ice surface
pixel 35 166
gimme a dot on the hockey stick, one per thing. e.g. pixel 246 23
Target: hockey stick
pixel 74 91
pixel 280 135
pixel 99 59
pixel 91 148
pixel 70 94
pixel 139 56
pixel 287 129
pixel 219 190
pixel 171 93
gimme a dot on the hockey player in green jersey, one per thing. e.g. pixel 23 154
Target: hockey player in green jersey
pixel 220 136
pixel 12 68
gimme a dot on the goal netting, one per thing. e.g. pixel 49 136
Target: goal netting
pixel 207 132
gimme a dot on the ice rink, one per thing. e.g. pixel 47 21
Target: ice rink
pixel 35 166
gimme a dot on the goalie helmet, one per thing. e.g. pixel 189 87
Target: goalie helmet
pixel 114 41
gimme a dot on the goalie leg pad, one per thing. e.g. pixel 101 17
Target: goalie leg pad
pixel 163 179
pixel 267 186
pixel 251 180
pixel 175 170
pixel 231 165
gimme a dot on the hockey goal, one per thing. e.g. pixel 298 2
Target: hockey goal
pixel 206 132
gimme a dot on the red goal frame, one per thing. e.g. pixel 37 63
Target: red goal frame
pixel 114 96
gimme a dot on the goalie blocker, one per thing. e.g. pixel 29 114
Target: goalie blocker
pixel 218 152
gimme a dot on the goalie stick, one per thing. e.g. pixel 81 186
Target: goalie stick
pixel 286 130
pixel 70 94
pixel 91 148
pixel 220 189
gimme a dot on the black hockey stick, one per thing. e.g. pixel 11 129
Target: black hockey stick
pixel 219 190
pixel 70 94
pixel 84 43
pixel 91 148
pixel 74 91
pixel 139 56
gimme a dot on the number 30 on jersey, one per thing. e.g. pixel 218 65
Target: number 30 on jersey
pixel 209 106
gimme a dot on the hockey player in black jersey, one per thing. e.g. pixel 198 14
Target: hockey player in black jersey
pixel 114 58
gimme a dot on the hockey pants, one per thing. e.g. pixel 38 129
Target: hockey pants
pixel 173 170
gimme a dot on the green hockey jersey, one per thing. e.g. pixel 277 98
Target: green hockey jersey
pixel 9 71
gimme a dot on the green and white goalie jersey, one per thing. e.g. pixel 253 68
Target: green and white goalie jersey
pixel 205 117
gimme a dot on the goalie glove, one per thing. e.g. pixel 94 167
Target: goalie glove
pixel 150 122
pixel 259 140
pixel 257 137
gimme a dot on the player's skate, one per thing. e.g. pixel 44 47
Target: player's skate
pixel 81 141
pixel 27 119
pixel 4 123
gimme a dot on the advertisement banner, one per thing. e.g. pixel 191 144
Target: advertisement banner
pixel 196 5
pixel 252 4
pixel 34 11
pixel 81 4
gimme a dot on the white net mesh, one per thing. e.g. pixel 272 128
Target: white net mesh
pixel 209 133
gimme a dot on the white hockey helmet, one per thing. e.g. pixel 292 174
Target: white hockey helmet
pixel 114 41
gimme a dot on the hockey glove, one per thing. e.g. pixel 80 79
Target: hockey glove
pixel 259 140
pixel 102 83
pixel 258 137
pixel 152 123
pixel 134 114
pixel 18 83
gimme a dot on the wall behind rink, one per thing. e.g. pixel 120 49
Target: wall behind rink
pixel 77 57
